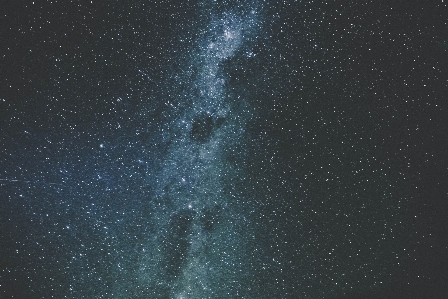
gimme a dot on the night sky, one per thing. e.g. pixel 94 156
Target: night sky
pixel 223 149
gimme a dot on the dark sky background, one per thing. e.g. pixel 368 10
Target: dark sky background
pixel 341 171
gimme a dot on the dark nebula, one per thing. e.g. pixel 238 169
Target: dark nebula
pixel 201 128
pixel 176 242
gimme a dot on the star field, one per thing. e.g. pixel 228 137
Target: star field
pixel 233 149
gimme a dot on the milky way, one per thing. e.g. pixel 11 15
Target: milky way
pixel 222 149
pixel 198 249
